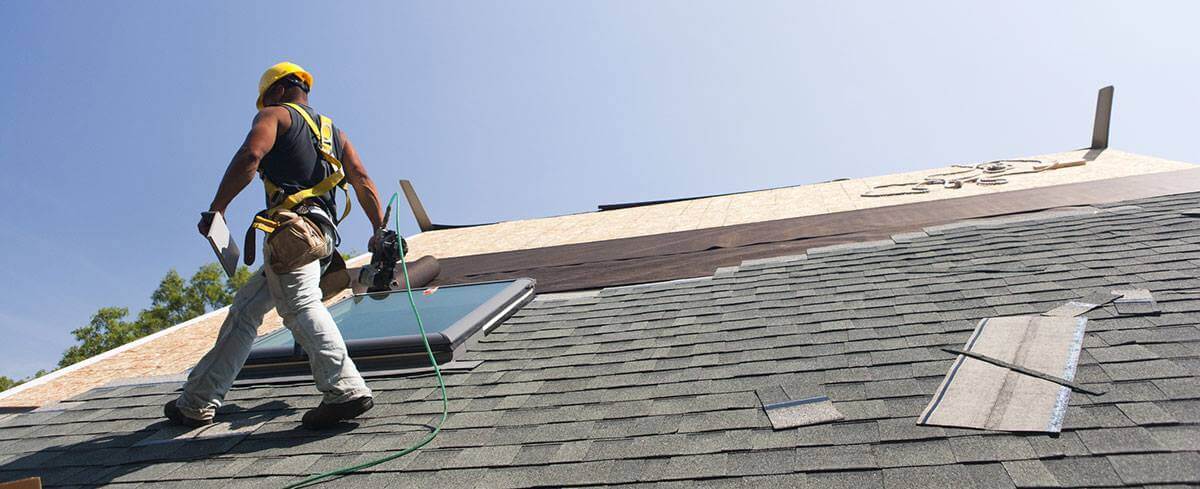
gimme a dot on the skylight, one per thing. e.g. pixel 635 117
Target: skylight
pixel 381 332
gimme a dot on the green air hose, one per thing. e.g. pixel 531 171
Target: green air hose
pixel 318 478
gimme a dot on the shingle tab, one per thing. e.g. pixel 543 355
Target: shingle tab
pixel 845 457
pixel 1030 473
pixel 908 454
pixel 968 449
pixel 944 476
pixel 1167 468
pixel 1082 471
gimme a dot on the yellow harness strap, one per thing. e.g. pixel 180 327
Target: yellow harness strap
pixel 337 178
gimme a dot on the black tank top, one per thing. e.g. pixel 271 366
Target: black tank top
pixel 294 164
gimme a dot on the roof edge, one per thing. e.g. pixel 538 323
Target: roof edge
pixel 108 354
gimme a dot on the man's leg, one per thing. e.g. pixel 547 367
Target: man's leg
pixel 298 299
pixel 208 383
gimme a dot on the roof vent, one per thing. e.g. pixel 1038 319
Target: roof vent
pixel 1103 116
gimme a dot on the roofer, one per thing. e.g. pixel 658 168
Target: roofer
pixel 301 158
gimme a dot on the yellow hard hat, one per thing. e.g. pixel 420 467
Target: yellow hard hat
pixel 277 72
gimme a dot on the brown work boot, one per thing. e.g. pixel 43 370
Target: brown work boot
pixel 329 415
pixel 176 416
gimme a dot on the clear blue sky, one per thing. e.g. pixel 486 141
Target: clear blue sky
pixel 117 118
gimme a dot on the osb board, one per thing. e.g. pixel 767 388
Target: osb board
pixel 767 205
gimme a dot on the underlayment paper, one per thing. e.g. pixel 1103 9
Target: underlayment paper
pixel 978 394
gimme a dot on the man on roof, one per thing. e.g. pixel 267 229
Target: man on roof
pixel 302 158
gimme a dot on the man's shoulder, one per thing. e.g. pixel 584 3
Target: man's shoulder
pixel 277 113
pixel 273 111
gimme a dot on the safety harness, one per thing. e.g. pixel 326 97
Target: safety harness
pixel 322 137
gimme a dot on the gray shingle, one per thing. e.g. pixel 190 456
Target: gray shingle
pixel 760 462
pixel 868 479
pixel 944 476
pixel 844 457
pixel 1125 353
pixel 1082 471
pixel 1118 440
pixel 907 429
pixel 992 448
pixel 1148 369
pixel 1065 444
pixel 696 466
pixel 1177 438
pixel 1145 413
pixel 1158 468
pixel 987 476
pixel 908 454
pixel 1030 473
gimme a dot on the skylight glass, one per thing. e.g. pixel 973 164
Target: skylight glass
pixel 383 315
pixel 381 332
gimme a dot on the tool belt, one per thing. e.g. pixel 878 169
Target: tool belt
pixel 296 242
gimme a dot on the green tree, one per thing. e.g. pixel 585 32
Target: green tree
pixel 107 330
pixel 174 301
pixel 8 383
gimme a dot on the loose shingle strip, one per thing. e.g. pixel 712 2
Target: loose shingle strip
pixel 1136 302
pixel 1081 306
pixel 802 412
pixel 796 405
pixel 983 395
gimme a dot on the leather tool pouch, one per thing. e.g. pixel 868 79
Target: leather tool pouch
pixel 296 242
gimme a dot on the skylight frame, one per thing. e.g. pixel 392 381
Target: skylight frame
pixel 400 351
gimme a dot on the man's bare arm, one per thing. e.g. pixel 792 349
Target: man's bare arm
pixel 364 187
pixel 244 164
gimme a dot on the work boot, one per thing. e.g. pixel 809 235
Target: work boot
pixel 176 416
pixel 329 415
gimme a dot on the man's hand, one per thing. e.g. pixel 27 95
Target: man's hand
pixel 206 220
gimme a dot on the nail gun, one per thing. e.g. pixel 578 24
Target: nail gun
pixel 390 248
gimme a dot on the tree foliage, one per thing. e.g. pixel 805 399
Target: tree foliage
pixel 174 301
pixel 7 383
